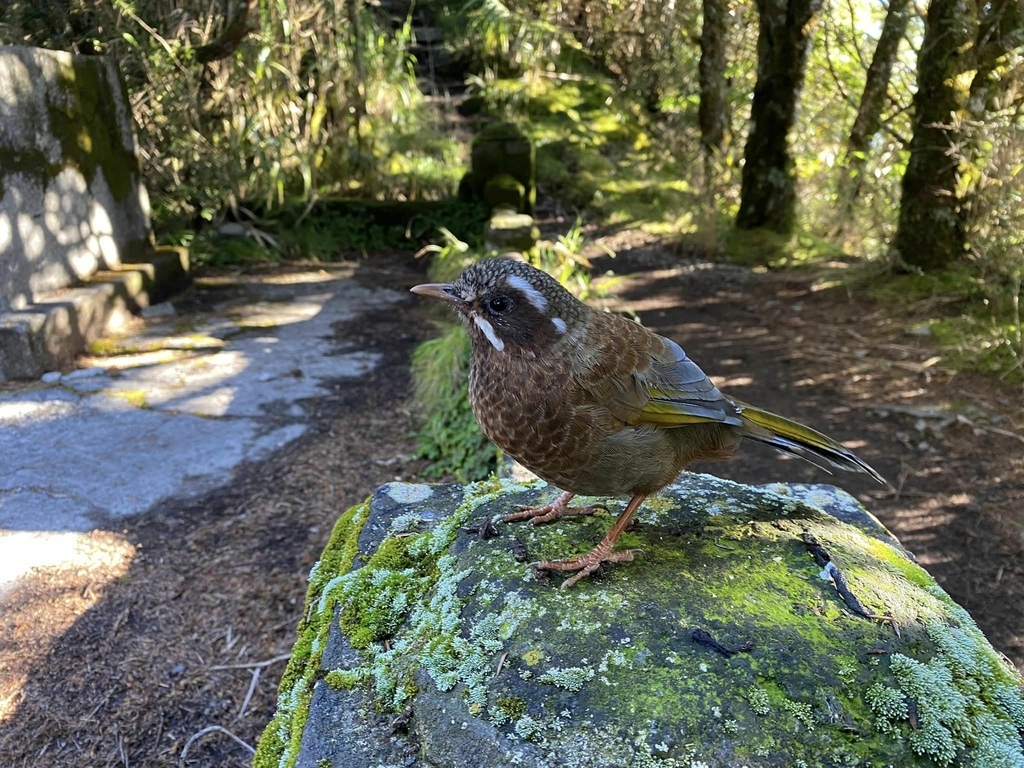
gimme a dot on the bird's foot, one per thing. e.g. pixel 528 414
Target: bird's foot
pixel 585 565
pixel 549 512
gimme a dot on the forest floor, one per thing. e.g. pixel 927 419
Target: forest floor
pixel 194 634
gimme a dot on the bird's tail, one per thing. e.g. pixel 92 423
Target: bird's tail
pixel 801 441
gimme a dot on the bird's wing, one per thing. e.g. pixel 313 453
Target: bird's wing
pixel 679 392
pixel 660 386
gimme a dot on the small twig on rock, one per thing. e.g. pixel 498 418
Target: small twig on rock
pixel 519 551
pixel 401 723
pixel 824 560
pixel 483 530
pixel 211 729
pixel 501 663
pixel 702 637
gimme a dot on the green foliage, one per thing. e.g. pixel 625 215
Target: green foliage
pixel 289 102
pixel 564 261
pixel 974 317
pixel 331 230
pixel 210 249
pixel 450 439
pixel 502 39
pixel 765 248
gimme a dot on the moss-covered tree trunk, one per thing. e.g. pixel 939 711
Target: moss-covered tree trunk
pixel 931 234
pixel 958 76
pixel 872 101
pixel 713 113
pixel 768 194
pixel 995 88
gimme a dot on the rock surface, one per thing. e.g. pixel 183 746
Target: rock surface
pixel 723 643
pixel 508 231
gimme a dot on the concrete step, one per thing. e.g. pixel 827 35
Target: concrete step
pixel 47 335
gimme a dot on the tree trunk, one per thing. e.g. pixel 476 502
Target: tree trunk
pixel 768 193
pixel 358 86
pixel 872 101
pixel 931 233
pixel 1000 30
pixel 712 114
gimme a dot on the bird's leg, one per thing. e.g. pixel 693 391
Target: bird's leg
pixel 556 509
pixel 602 553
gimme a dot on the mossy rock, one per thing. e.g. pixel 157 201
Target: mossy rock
pixel 571 172
pixel 510 231
pixel 423 644
pixel 504 191
pixel 501 149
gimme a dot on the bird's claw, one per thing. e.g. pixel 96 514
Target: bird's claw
pixel 584 566
pixel 547 513
pixel 541 515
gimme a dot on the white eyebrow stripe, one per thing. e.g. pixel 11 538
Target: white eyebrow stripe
pixel 488 330
pixel 559 324
pixel 532 295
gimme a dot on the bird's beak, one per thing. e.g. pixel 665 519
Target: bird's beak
pixel 438 291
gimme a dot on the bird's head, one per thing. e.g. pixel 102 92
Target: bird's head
pixel 509 305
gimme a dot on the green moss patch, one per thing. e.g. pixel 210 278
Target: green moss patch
pixel 83 119
pixel 282 735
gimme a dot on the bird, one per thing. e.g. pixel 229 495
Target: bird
pixel 596 404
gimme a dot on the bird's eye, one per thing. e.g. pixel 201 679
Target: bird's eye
pixel 499 305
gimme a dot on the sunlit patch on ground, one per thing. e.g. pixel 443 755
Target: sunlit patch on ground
pixel 47 582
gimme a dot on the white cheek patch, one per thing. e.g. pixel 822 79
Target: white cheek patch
pixel 488 330
pixel 532 295
pixel 559 324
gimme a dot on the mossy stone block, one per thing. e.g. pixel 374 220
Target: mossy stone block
pixel 84 118
pixel 510 231
pixel 503 149
pixel 504 191
pixel 410 614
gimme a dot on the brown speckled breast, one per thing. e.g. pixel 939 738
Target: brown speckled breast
pixel 525 406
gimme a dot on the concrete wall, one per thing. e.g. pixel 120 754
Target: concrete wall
pixel 71 195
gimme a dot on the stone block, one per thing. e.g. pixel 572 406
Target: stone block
pixel 504 191
pixel 510 231
pixel 48 334
pixel 72 199
pixel 503 149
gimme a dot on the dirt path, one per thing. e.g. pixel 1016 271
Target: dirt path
pixel 194 633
